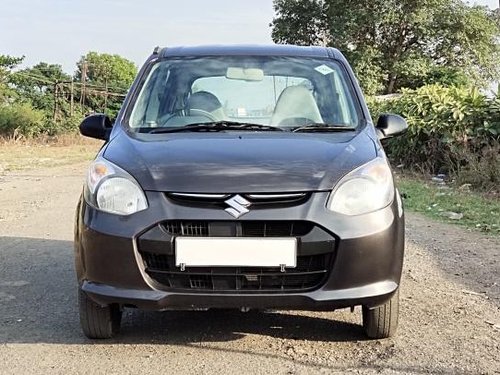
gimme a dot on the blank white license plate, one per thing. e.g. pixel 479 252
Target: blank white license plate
pixel 235 252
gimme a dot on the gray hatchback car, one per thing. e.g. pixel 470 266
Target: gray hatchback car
pixel 240 177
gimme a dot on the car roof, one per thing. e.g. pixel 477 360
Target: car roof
pixel 250 50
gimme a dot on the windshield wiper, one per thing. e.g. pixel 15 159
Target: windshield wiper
pixel 216 126
pixel 321 127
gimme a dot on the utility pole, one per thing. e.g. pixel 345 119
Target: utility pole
pixel 84 78
pixel 106 97
pixel 55 100
pixel 71 98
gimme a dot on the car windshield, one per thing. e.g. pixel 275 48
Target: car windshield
pixel 281 92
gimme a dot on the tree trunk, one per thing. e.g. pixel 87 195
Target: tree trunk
pixel 54 117
pixel 391 83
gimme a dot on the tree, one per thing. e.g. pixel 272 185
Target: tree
pixel 7 63
pixel 393 44
pixel 36 84
pixel 108 78
pixel 103 68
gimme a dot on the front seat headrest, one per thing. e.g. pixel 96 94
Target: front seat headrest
pixel 203 100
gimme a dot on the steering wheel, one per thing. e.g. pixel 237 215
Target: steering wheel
pixel 201 112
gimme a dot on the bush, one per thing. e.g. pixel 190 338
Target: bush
pixel 65 125
pixel 452 130
pixel 21 119
pixel 481 169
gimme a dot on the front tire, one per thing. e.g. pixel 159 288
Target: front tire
pixel 98 322
pixel 381 322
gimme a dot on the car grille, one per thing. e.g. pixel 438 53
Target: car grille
pixel 314 257
pixel 309 273
pixel 238 229
pixel 257 200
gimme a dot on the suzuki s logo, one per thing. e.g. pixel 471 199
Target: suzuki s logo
pixel 237 206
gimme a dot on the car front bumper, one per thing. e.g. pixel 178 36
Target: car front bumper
pixel 365 267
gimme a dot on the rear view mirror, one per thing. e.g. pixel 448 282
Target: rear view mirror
pixel 242 74
pixel 390 125
pixel 96 126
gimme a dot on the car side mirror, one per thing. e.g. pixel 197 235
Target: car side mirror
pixel 96 126
pixel 389 125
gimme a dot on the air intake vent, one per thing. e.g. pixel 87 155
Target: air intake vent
pixel 238 228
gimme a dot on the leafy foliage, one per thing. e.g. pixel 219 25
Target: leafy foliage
pixel 21 119
pixel 102 68
pixel 36 84
pixel 30 106
pixel 451 130
pixel 300 22
pixel 393 44
pixel 7 63
pixel 105 72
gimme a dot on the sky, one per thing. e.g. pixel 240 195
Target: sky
pixel 61 31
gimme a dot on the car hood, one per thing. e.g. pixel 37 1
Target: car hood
pixel 240 162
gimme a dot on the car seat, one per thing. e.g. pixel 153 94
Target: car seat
pixel 205 102
pixel 296 102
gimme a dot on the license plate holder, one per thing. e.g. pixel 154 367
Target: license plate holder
pixel 235 252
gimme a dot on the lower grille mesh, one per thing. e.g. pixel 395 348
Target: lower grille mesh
pixel 309 273
pixel 187 228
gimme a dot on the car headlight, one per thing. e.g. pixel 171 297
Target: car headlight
pixel 111 189
pixel 365 189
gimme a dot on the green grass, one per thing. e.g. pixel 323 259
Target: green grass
pixel 479 212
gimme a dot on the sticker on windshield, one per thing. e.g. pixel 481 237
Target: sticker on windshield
pixel 323 69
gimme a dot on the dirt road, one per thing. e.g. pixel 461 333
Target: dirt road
pixel 450 313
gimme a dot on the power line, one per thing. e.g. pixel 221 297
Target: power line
pixel 48 82
pixel 58 92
